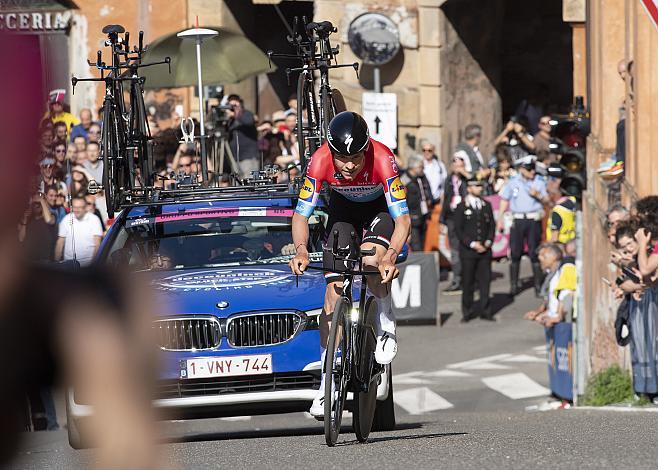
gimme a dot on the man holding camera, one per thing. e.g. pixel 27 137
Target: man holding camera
pixel 516 137
pixel 243 136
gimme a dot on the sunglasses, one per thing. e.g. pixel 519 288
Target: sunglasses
pixel 60 150
pixel 428 150
pixel 356 157
pixel 94 132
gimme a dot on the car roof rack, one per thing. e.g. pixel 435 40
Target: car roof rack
pixel 260 185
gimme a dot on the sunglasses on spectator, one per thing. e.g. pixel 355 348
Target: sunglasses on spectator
pixel 544 122
pixel 94 132
pixel 60 150
pixel 428 150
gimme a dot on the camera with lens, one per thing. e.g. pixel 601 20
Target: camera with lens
pixel 220 115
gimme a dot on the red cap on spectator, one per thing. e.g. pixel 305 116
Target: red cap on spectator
pixel 57 96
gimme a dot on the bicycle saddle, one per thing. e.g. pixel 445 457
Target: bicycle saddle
pixel 113 29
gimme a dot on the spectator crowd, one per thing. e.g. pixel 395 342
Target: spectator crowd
pixel 65 222
pixel 633 236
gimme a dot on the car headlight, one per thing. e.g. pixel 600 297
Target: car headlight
pixel 313 319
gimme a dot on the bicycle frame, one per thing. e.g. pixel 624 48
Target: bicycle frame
pixel 125 129
pixel 316 54
pixel 358 382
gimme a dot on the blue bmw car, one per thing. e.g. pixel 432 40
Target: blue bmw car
pixel 240 335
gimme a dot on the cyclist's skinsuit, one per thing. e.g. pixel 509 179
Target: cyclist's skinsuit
pixel 369 202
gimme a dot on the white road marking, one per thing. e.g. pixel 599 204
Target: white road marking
pixel 459 365
pixel 236 418
pixel 524 358
pixel 448 373
pixel 623 409
pixel 410 378
pixel 410 381
pixel 541 348
pixel 486 366
pixel 420 400
pixel 516 386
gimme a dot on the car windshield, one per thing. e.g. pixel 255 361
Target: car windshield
pixel 206 238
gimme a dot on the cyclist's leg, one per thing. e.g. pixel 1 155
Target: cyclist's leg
pixel 334 288
pixel 378 235
pixel 334 279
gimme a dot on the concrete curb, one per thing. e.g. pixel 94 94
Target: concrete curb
pixel 631 409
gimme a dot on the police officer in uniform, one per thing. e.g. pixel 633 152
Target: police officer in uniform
pixel 525 194
pixel 475 227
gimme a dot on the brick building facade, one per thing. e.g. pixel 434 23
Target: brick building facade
pixel 461 61
pixel 615 31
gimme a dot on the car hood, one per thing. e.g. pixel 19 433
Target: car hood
pixel 237 289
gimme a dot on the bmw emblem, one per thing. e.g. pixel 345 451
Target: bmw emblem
pixel 222 304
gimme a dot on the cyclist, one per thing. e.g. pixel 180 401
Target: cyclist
pixel 367 198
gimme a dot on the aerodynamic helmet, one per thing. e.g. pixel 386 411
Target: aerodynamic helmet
pixel 348 133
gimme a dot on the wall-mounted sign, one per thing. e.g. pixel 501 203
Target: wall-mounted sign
pixel 380 113
pixel 35 21
pixel 374 38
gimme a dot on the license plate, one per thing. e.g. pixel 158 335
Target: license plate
pixel 205 367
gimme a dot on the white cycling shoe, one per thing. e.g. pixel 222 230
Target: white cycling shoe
pixel 317 408
pixel 387 348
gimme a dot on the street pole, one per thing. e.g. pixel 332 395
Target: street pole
pixel 202 131
pixel 199 34
pixel 377 81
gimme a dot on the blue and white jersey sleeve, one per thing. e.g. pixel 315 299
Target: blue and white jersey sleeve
pixel 308 196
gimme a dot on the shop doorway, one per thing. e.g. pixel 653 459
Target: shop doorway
pixel 496 55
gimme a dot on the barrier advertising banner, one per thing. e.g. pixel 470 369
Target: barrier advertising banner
pixel 415 292
pixel 560 360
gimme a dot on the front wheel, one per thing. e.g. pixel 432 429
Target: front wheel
pixel 108 154
pixel 366 401
pixel 336 366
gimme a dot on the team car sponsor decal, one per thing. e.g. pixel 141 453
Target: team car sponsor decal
pixel 222 279
pixel 308 189
pixel 396 189
pixel 130 223
pixel 223 212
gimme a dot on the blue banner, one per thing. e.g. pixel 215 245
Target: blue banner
pixel 560 360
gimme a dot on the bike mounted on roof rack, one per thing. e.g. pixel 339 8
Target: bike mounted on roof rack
pixel 314 50
pixel 126 146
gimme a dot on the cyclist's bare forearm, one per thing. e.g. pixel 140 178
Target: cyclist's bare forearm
pixel 300 233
